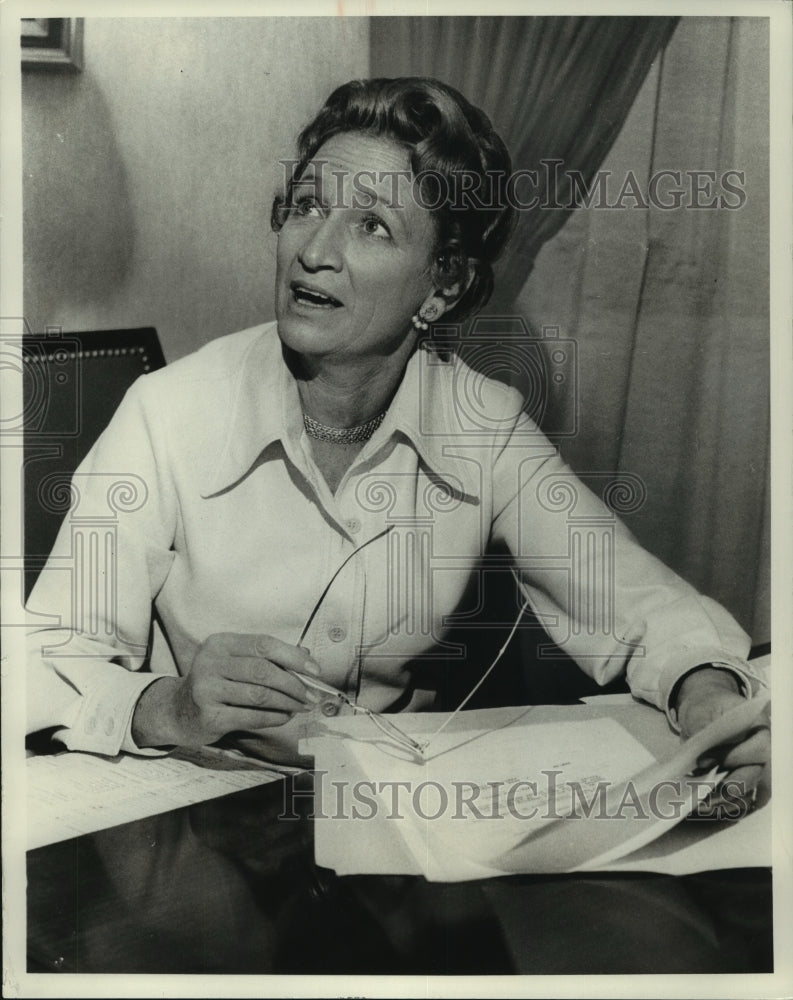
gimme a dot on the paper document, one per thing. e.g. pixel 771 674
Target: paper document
pixel 73 793
pixel 542 797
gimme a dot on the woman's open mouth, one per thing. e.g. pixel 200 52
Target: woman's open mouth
pixel 312 297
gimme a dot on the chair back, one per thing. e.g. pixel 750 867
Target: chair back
pixel 72 385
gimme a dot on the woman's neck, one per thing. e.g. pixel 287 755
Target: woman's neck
pixel 341 393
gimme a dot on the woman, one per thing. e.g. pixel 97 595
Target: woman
pixel 313 499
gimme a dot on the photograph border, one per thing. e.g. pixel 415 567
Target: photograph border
pixel 18 983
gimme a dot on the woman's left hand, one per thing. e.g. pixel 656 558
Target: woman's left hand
pixel 704 695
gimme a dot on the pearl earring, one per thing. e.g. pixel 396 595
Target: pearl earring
pixel 430 311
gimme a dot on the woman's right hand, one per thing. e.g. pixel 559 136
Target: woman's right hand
pixel 236 682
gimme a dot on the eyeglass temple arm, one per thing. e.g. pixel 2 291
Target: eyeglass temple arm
pixel 329 584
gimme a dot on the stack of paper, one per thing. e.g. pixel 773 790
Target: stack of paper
pixel 70 794
pixel 519 797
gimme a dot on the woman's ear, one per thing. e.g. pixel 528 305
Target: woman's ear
pixel 446 297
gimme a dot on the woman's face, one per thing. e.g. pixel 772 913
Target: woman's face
pixel 354 254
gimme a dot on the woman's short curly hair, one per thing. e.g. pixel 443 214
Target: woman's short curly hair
pixel 460 162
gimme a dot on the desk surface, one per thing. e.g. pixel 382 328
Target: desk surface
pixel 227 887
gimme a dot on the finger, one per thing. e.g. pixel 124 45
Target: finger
pixel 263 698
pixel 739 785
pixel 233 719
pixel 250 670
pixel 755 748
pixel 743 780
pixel 262 646
pixel 734 797
pixel 285 655
pixel 263 691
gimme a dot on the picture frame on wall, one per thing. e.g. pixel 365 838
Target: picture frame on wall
pixel 52 43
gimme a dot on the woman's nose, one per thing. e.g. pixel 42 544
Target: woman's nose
pixel 322 250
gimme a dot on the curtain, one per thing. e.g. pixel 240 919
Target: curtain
pixel 556 89
pixel 669 311
pixel 666 309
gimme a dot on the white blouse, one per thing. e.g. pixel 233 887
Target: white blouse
pixel 201 503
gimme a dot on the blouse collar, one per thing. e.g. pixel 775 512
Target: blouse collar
pixel 266 411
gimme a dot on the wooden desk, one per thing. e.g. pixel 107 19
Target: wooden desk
pixel 227 887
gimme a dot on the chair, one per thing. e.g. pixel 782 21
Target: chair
pixel 72 384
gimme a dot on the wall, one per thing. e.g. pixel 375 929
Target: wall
pixel 149 176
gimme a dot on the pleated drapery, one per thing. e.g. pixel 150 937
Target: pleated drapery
pixel 667 308
pixel 669 311
pixel 556 88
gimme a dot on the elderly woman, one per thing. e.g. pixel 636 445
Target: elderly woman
pixel 314 500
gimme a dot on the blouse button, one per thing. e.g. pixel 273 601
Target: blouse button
pixel 330 708
pixel 337 634
pixel 353 525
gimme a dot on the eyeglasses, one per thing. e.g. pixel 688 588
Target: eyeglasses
pixel 383 723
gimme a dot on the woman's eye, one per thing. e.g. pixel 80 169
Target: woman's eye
pixel 305 207
pixel 373 226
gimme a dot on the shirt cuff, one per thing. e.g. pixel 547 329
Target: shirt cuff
pixel 739 669
pixel 102 718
